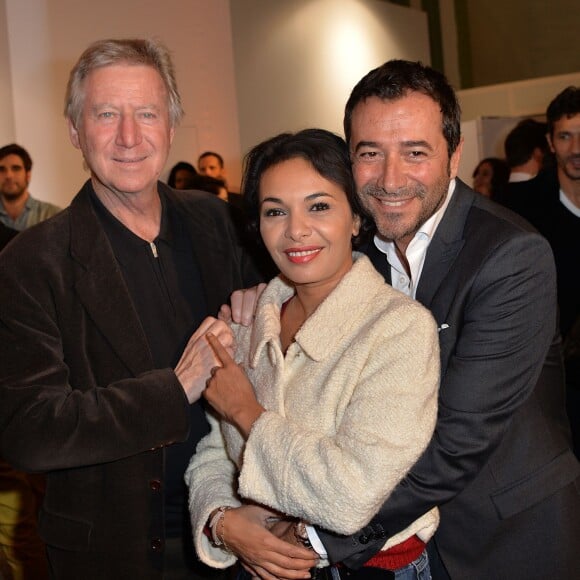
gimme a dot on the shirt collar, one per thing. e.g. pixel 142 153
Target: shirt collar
pixel 112 223
pixel 517 176
pixel 415 252
pixel 29 204
pixel 565 201
pixel 123 240
pixel 427 230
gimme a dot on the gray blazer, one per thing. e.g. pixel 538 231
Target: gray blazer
pixel 499 466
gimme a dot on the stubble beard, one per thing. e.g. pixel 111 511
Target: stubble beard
pixel 395 226
pixel 569 168
pixel 14 193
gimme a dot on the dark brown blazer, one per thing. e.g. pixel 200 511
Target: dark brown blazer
pixel 79 396
pixel 6 234
pixel 499 466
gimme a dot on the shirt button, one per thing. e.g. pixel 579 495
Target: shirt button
pixel 156 544
pixel 402 280
pixel 155 485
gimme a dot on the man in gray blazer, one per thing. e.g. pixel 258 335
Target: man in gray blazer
pixel 499 466
pixel 101 365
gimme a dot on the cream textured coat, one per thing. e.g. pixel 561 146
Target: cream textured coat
pixel 350 408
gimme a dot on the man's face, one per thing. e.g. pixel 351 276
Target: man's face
pixel 210 165
pixel 565 144
pixel 124 131
pixel 400 162
pixel 14 179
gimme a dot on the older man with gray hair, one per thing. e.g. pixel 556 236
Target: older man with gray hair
pixel 103 321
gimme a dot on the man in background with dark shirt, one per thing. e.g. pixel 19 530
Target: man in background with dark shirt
pixel 102 314
pixel 551 203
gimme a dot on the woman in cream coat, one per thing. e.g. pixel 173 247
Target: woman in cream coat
pixel 333 393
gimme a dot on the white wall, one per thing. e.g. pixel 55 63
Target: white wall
pixel 45 38
pixel 6 105
pixel 519 98
pixel 521 39
pixel 297 60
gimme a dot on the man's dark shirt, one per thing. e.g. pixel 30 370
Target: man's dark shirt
pixel 165 286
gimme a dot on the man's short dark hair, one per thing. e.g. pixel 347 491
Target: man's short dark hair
pixel 565 104
pixel 214 154
pixel 14 149
pixel 205 183
pixel 397 78
pixel 521 142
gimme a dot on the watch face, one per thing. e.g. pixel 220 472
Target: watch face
pixel 301 534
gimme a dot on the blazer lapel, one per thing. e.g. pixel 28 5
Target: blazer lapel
pixel 445 245
pixel 101 288
pixel 211 247
pixel 378 259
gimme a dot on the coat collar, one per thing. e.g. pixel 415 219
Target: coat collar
pixel 100 284
pixel 443 248
pixel 446 243
pixel 207 220
pixel 320 333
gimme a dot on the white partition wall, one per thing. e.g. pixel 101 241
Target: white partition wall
pixel 297 60
pixel 44 39
pixel 295 63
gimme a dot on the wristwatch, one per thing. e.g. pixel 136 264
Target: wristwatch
pixel 301 534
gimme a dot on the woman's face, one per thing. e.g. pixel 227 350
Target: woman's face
pixel 306 223
pixel 182 177
pixel 482 179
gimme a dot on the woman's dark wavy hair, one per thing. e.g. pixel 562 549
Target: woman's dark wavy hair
pixel 181 165
pixel 394 80
pixel 327 153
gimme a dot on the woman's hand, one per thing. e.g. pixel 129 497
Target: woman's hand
pixel 198 358
pixel 245 532
pixel 230 392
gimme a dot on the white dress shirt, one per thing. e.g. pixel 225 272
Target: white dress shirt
pixel 415 253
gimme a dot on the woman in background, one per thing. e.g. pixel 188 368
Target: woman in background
pixel 181 173
pixel 490 177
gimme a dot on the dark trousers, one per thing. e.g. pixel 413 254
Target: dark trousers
pixel 438 570
pixel 181 563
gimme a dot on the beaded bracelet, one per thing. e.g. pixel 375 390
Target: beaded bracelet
pixel 217 522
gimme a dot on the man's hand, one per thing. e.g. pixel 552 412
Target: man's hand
pixel 243 307
pixel 198 358
pixel 230 392
pixel 261 552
